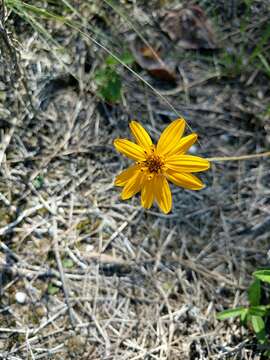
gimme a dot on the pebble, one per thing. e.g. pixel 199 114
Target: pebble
pixel 193 149
pixel 61 211
pixel 20 297
pixel 260 95
pixel 225 137
pixel 89 248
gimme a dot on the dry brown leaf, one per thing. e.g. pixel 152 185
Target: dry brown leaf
pixel 190 28
pixel 149 59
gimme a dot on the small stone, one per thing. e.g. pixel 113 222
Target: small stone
pixel 225 137
pixel 61 211
pixel 260 95
pixel 193 149
pixel 89 248
pixel 20 297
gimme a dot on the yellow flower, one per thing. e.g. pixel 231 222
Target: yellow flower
pixel 156 164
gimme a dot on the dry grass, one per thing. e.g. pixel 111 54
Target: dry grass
pixel 141 285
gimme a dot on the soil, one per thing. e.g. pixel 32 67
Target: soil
pixel 104 278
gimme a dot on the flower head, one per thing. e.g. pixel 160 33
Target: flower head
pixel 156 164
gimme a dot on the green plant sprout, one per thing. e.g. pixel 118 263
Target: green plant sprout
pixel 255 315
pixel 108 80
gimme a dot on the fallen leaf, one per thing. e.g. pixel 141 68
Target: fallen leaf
pixel 190 28
pixel 149 59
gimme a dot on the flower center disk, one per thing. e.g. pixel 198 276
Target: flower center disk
pixel 154 163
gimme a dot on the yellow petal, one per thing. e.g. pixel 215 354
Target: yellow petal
pixel 133 185
pixel 162 193
pixel 147 196
pixel 125 175
pixel 170 137
pixel 141 136
pixel 185 180
pixel 131 150
pixel 184 144
pixel 186 163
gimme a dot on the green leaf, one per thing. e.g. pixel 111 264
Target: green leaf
pixel 111 90
pixel 259 328
pixel 41 11
pixel 264 39
pixel 230 313
pixel 38 182
pixel 260 310
pixel 244 317
pixel 265 63
pixel 127 58
pixel 254 293
pixel 52 290
pixel 101 76
pixel 110 60
pixel 263 275
pixel 109 84
pixel 67 263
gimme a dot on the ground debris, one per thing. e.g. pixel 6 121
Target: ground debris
pixel 137 284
